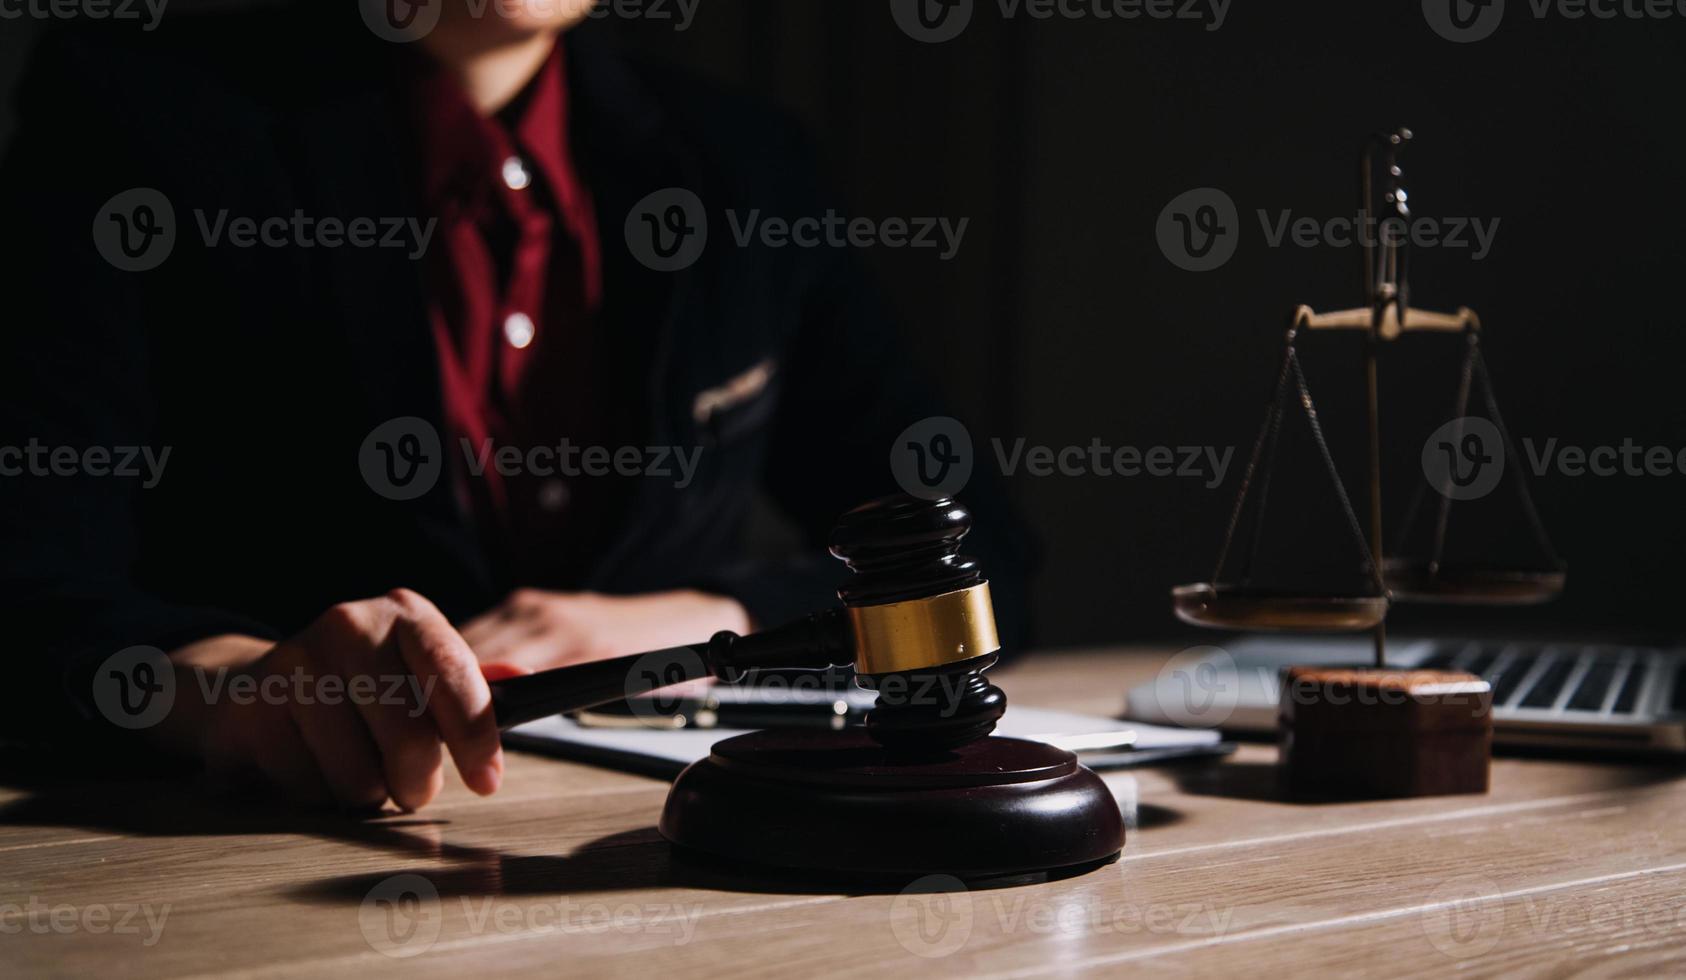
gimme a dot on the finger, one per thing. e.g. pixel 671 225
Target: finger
pixel 344 752
pixel 344 642
pixel 494 642
pixel 492 635
pixel 535 654
pixel 482 630
pixel 457 696
pixel 284 760
pixel 411 760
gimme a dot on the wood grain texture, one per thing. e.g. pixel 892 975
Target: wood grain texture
pixel 1563 868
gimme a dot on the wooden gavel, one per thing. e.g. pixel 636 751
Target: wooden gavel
pixel 916 618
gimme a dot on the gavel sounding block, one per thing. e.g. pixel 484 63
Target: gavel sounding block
pixel 1370 734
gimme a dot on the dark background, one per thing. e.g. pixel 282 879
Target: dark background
pixel 1060 321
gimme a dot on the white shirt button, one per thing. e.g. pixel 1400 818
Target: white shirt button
pixel 515 174
pixel 518 329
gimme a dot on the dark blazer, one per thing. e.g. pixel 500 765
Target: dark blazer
pixel 263 370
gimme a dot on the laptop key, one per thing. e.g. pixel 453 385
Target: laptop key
pixel 1507 678
pixel 1628 699
pixel 1595 684
pixel 1545 691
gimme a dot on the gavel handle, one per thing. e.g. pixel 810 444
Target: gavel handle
pixel 813 643
pixel 518 700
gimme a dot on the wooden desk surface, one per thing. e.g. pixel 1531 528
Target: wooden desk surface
pixel 1562 865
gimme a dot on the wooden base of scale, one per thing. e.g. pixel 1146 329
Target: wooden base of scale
pixel 1374 734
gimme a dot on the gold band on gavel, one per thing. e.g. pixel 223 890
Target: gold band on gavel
pixel 931 632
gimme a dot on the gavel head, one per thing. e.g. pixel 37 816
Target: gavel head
pixel 922 621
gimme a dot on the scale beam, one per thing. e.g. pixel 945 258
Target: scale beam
pixel 1390 326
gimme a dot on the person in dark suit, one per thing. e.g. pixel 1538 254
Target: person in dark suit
pixel 418 322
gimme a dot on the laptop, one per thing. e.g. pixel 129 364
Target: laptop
pixel 1572 695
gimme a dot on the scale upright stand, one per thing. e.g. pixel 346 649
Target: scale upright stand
pixel 1375 732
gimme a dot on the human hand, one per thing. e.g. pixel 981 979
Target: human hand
pixel 536 630
pixel 354 710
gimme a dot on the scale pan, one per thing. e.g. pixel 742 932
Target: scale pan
pixel 1453 585
pixel 1232 608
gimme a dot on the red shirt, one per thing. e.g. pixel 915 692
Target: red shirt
pixel 515 283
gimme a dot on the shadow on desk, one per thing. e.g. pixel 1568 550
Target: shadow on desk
pixel 637 859
pixel 111 798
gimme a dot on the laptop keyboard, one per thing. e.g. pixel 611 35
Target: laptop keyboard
pixel 1547 686
pixel 1628 699
pixel 1586 679
pixel 1595 686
